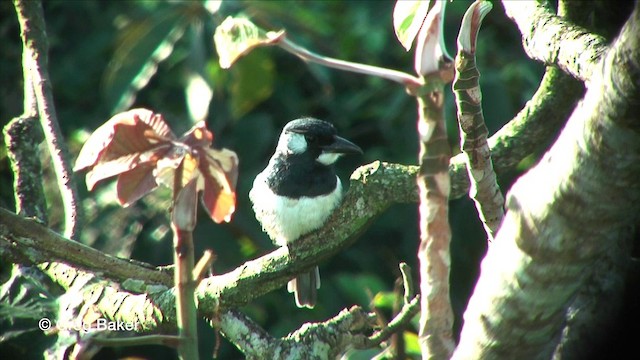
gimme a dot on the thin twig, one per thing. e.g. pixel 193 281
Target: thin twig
pixel 397 76
pixel 200 270
pixel 409 310
pixel 407 282
pixel 35 42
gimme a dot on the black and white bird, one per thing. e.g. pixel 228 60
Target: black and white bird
pixel 299 189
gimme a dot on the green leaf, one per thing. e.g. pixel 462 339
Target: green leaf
pixel 384 300
pixel 412 347
pixel 408 16
pixel 236 36
pixel 251 83
pixel 142 45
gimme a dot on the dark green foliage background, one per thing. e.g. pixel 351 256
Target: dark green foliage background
pixel 251 103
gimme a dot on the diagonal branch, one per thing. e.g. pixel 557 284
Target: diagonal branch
pixel 555 41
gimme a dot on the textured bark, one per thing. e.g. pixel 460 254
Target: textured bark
pixel 22 136
pixel 592 315
pixel 325 340
pixel 555 41
pixel 575 205
pixel 25 241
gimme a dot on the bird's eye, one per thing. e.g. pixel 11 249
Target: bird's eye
pixel 310 138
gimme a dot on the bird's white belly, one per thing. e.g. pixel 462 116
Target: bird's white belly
pixel 286 219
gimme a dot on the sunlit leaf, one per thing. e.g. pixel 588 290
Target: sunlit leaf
pixel 412 347
pixel 235 37
pixel 431 51
pixel 408 16
pixel 384 300
pixel 142 45
pixel 220 174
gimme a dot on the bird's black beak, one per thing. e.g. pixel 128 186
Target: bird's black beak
pixel 341 146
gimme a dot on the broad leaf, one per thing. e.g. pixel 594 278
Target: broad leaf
pixel 139 148
pixel 431 51
pixel 136 121
pixel 235 37
pixel 408 16
pixel 136 183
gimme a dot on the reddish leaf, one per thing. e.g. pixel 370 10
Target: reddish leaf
pixel 139 147
pixel 219 203
pixel 107 169
pixel 220 172
pixel 198 136
pixel 136 183
pixel 125 133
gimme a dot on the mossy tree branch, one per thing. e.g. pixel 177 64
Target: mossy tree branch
pixel 575 205
pixel 555 41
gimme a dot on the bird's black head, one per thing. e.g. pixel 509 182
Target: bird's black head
pixel 314 138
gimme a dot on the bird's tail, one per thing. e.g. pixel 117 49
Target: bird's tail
pixel 305 288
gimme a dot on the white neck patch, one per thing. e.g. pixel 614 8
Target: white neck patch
pixel 328 158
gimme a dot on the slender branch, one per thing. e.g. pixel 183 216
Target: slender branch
pixel 408 311
pixel 203 265
pixel 435 330
pixel 576 204
pixel 484 190
pixel 436 317
pixel 183 258
pixel 27 242
pixel 246 335
pixel 34 40
pixel 400 77
pixel 407 282
pixel 555 41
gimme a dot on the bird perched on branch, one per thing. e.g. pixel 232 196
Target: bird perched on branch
pixel 299 189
